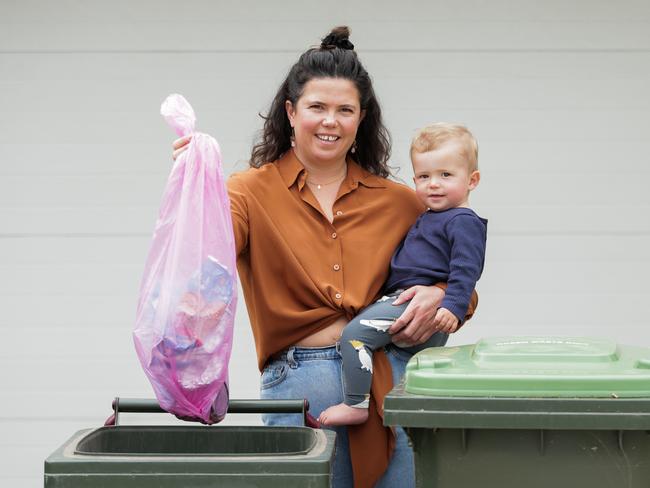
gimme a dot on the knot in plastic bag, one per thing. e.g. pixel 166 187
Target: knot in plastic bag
pixel 179 114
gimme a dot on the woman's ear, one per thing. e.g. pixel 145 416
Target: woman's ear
pixel 288 106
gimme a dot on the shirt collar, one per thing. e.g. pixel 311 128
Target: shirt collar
pixel 291 169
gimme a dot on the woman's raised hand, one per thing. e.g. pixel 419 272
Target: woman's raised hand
pixel 180 145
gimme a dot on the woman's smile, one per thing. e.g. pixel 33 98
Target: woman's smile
pixel 327 138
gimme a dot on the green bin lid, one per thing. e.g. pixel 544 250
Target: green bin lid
pixel 531 367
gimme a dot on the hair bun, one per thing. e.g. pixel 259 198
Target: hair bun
pixel 338 37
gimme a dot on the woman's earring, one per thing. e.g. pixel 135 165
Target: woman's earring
pixel 292 138
pixel 353 149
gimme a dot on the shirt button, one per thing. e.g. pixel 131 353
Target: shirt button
pixel 338 212
pixel 336 267
pixel 338 296
pixel 333 235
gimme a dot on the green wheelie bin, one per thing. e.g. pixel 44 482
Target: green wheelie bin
pixel 532 412
pixel 130 456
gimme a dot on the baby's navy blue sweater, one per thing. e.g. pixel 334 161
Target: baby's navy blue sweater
pixel 447 246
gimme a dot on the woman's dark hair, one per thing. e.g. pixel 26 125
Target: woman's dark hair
pixel 334 58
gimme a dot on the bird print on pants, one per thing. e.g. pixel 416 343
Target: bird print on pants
pixel 364 357
pixel 381 325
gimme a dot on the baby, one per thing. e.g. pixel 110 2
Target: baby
pixel 446 244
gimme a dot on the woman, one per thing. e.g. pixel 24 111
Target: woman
pixel 315 223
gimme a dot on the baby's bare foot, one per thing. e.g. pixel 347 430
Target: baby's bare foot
pixel 343 414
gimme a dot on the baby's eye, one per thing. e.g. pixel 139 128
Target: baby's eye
pixel 446 174
pixel 422 177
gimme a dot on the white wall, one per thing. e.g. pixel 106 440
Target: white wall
pixel 555 91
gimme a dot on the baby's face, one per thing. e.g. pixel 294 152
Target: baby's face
pixel 442 177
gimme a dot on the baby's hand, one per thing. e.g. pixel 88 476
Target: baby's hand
pixel 445 321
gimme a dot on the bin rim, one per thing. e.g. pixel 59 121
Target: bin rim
pixel 409 410
pixel 89 434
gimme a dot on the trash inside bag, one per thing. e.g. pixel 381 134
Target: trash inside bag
pixel 188 294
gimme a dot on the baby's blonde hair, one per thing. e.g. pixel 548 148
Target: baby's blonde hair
pixel 433 136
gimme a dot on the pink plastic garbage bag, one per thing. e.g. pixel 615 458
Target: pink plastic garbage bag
pixel 188 294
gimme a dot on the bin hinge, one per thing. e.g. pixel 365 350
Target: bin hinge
pixel 620 441
pixel 464 434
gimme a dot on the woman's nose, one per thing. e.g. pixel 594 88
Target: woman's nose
pixel 329 120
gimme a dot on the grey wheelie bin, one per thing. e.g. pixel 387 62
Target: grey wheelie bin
pixel 529 412
pixel 197 456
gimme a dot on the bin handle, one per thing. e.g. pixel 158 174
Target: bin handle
pixel 145 405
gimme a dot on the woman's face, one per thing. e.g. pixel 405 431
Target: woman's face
pixel 325 120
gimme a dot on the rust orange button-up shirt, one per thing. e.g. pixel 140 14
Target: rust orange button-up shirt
pixel 300 273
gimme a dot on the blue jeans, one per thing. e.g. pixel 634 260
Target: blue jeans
pixel 315 374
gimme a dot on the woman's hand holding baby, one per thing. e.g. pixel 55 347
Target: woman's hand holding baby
pixel 416 324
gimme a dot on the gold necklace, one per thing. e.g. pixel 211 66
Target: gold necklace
pixel 319 185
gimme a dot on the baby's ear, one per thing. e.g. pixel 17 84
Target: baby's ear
pixel 474 178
